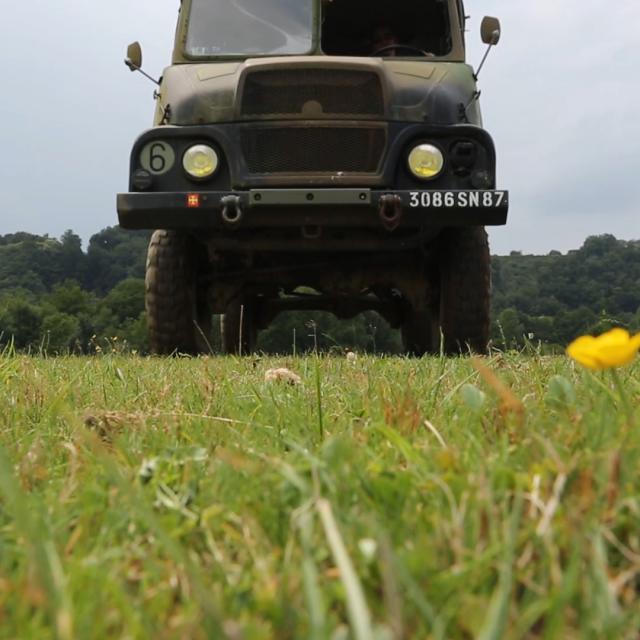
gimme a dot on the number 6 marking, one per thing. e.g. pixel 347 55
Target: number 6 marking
pixel 158 160
pixel 157 157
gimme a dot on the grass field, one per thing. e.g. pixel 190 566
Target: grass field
pixel 382 498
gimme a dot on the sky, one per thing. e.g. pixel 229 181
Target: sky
pixel 560 97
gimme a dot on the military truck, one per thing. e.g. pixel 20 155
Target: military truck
pixel 317 154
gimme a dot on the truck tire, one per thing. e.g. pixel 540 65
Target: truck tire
pixel 464 283
pixel 456 314
pixel 178 308
pixel 239 328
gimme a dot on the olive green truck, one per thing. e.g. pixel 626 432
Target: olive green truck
pixel 317 154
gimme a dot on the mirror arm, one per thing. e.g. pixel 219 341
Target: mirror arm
pixel 134 67
pixel 476 75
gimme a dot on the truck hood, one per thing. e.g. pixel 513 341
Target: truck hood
pixel 408 90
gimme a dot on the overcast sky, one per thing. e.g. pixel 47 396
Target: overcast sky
pixel 560 95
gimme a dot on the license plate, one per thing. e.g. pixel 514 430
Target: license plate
pixel 457 199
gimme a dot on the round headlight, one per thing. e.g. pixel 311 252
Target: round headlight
pixel 200 161
pixel 426 161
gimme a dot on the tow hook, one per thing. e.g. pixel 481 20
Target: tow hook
pixel 232 212
pixel 390 211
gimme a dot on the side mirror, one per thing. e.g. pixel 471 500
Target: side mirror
pixel 134 56
pixel 490 30
pixel 134 61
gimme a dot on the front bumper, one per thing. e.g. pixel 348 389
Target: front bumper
pixel 295 208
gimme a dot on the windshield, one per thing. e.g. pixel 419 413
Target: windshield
pixel 249 27
pixel 387 28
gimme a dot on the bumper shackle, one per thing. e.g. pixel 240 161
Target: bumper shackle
pixel 232 211
pixel 390 211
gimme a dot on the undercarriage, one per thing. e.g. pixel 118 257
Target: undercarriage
pixel 437 294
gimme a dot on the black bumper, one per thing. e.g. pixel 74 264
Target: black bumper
pixel 282 208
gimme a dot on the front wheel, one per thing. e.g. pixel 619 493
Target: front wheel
pixel 463 300
pixel 176 299
pixel 454 315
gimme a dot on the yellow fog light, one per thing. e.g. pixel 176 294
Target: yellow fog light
pixel 426 161
pixel 200 161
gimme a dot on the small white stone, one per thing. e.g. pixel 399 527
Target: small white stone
pixel 282 375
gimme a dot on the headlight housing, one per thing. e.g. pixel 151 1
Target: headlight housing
pixel 426 161
pixel 200 161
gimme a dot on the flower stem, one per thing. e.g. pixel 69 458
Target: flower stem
pixel 624 399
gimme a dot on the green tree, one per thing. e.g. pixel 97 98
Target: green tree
pixel 20 322
pixel 61 333
pixel 72 259
pixel 510 329
pixel 126 300
pixel 69 297
pixel 114 255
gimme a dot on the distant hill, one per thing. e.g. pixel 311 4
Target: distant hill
pixel 556 297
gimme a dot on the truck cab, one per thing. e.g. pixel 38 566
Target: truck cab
pixel 317 154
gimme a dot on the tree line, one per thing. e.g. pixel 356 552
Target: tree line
pixel 57 298
pixel 553 299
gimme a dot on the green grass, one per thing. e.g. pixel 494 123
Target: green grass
pixel 390 498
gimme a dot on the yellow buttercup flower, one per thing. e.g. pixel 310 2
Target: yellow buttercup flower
pixel 614 348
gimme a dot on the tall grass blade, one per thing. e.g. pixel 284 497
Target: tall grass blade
pixel 310 580
pixel 496 619
pixel 319 399
pixel 359 615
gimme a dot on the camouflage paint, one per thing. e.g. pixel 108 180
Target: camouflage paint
pixel 435 91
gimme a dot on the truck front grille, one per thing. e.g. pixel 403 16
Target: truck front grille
pixel 295 148
pixel 312 93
